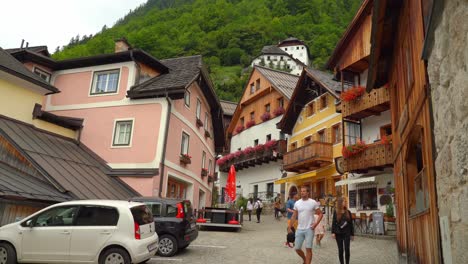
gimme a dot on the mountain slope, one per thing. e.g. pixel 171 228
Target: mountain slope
pixel 226 32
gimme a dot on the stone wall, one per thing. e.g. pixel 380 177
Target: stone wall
pixel 447 70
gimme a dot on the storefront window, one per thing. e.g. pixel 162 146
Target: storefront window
pixel 367 199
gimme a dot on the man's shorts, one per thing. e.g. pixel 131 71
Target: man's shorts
pixel 304 234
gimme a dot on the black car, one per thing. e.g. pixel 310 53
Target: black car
pixel 175 224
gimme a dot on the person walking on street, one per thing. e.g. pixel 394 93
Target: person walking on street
pixel 258 208
pixel 304 212
pixel 250 208
pixel 277 206
pixel 289 212
pixel 319 231
pixel 342 229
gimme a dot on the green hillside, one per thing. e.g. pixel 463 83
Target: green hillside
pixel 228 33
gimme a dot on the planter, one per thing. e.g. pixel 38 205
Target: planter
pixel 207 134
pixel 199 123
pixel 210 178
pixel 204 172
pixel 185 159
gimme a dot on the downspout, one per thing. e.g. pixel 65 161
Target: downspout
pixel 163 156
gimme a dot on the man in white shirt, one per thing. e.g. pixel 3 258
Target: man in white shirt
pixel 304 210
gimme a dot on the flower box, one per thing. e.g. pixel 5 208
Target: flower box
pixel 271 144
pixel 353 150
pixel 239 128
pixel 199 123
pixel 260 148
pixel 210 178
pixel 250 124
pixel 185 159
pixel 352 93
pixel 265 117
pixel 278 111
pixel 248 151
pixel 204 172
pixel 207 134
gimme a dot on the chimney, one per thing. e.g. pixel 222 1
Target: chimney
pixel 27 45
pixel 22 43
pixel 122 44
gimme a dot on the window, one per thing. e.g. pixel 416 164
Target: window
pixel 155 208
pixel 184 146
pixel 270 189
pixel 323 102
pixel 293 146
pixel 368 199
pixel 203 159
pixel 43 74
pixel 210 164
pixel 252 115
pixel 268 57
pixel 336 134
pixel 386 131
pixel 302 48
pixel 123 133
pixel 281 58
pixel 321 135
pixel 297 48
pixel 257 84
pixel 176 190
pixel 409 68
pixel 285 48
pixel 105 82
pixel 418 195
pixel 198 108
pixel 97 216
pixel 252 88
pixel 267 108
pixel 187 98
pixel 142 215
pixel 268 137
pixel 206 121
pixel 311 109
pixel 281 102
pixel 58 216
pixel 307 140
pixel 242 121
pixel 352 133
pixel 256 142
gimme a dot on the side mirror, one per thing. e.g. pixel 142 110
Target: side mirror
pixel 29 223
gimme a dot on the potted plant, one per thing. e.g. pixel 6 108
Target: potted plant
pixel 185 158
pixel 199 122
pixel 207 134
pixel 352 93
pixel 389 219
pixel 204 172
pixel 353 150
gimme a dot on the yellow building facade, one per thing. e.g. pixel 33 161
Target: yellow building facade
pixel 315 131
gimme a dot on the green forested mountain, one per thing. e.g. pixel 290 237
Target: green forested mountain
pixel 228 33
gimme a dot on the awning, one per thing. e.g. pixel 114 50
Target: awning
pixel 295 178
pixel 354 181
pixel 330 170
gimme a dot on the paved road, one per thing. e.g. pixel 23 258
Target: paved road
pixel 263 243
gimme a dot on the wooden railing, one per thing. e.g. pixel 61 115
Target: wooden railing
pixel 309 157
pixel 376 156
pixel 373 103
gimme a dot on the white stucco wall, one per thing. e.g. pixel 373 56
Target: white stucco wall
pixel 247 137
pixel 296 68
pixel 299 52
pixel 371 126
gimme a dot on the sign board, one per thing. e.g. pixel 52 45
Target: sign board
pixel 352 198
pixel 378 219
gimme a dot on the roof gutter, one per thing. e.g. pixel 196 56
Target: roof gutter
pixel 166 133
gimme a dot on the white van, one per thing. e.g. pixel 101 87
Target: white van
pixel 89 231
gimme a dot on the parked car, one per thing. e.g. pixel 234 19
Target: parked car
pixel 175 224
pixel 90 231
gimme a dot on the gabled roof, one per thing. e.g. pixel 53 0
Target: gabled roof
pixel 228 107
pixel 63 121
pixel 12 66
pixel 18 184
pixel 65 163
pixel 290 42
pixel 36 49
pixel 284 82
pixel 321 82
pixel 273 49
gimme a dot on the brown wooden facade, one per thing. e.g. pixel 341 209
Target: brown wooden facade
pixel 309 157
pixel 397 45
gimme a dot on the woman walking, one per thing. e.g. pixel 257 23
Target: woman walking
pixel 250 208
pixel 319 231
pixel 258 207
pixel 342 229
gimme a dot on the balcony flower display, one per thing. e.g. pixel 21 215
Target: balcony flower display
pixel 239 128
pixel 259 148
pixel 353 150
pixel 185 158
pixel 386 140
pixel 207 134
pixel 249 124
pixel 204 171
pixel 248 151
pixel 266 116
pixel 238 154
pixel 221 161
pixel 278 111
pixel 270 144
pixel 352 93
pixel 199 122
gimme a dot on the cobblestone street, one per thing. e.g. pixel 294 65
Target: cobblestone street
pixel 264 243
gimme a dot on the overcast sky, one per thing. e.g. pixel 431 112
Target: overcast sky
pixel 55 22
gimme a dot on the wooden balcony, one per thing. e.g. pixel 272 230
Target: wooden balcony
pixel 309 157
pixel 257 158
pixel 373 103
pixel 377 156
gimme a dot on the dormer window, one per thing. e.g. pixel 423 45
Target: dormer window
pixel 43 74
pixel 105 82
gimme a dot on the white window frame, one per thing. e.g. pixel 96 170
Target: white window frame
pixel 198 110
pixel 210 164
pixel 205 124
pixel 114 133
pixel 203 159
pixel 39 72
pixel 187 95
pixel 93 92
pixel 182 149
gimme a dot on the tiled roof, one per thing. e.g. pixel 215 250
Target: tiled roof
pixel 37 49
pixel 64 162
pixel 181 72
pixel 283 81
pixel 228 107
pixel 19 184
pixel 273 49
pixel 12 66
pixel 326 79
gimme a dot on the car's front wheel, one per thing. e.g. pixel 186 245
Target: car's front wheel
pixel 7 254
pixel 167 246
pixel 115 256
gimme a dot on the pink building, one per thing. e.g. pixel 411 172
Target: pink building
pixel 157 124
